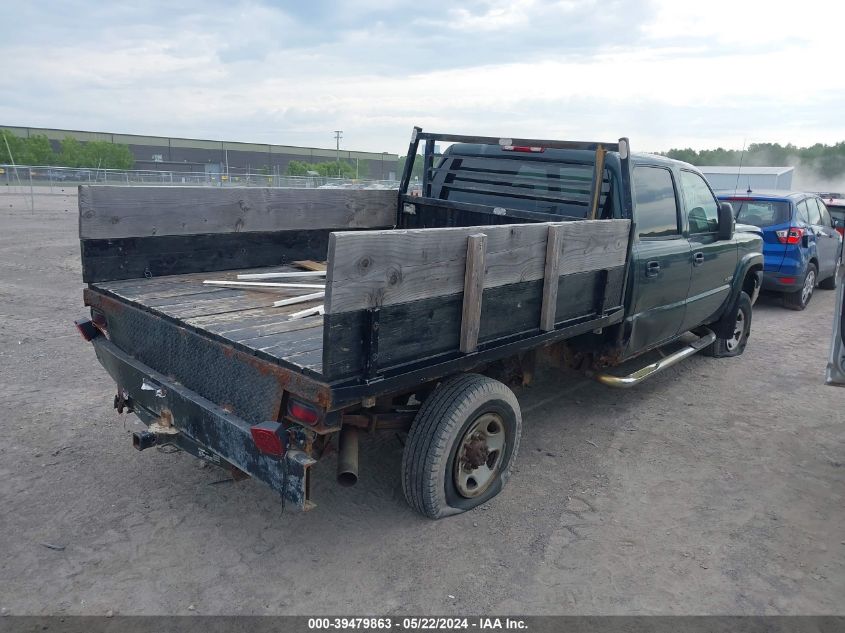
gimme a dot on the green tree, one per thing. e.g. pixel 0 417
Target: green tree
pixel 297 168
pixel 33 150
pixel 72 153
pixel 329 169
pixel 108 155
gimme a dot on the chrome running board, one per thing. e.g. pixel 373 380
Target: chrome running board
pixel 635 378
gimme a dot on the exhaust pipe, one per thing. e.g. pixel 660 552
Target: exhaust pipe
pixel 144 439
pixel 347 456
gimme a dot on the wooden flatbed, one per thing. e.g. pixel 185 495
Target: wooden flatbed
pixel 242 317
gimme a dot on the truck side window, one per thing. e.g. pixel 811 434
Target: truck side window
pixel 701 205
pixel 656 204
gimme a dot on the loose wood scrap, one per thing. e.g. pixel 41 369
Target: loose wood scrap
pixel 299 299
pixel 316 310
pixel 284 275
pixel 309 264
pixel 260 284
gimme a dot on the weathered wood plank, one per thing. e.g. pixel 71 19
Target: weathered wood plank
pixel 473 288
pixel 377 268
pixel 135 257
pixel 121 212
pixel 554 247
pixel 250 329
pixel 507 311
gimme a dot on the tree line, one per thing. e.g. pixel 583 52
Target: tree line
pixel 827 161
pixel 329 169
pixel 37 150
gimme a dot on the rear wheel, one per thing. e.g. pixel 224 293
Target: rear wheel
pixel 799 300
pixel 461 446
pixel 734 337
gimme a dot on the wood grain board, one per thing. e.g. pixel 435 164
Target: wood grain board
pixel 377 268
pixel 107 212
pixel 244 316
pixel 473 289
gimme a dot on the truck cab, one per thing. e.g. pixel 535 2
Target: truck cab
pixel 688 263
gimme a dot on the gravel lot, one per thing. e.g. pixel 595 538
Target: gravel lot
pixel 716 487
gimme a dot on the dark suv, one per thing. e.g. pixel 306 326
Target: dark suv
pixel 801 248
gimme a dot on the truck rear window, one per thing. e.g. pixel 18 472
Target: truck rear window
pixel 531 185
pixel 761 213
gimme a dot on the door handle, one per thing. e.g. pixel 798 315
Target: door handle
pixel 652 268
pixel 698 259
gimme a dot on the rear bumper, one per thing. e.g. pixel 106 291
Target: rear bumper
pixel 199 426
pixel 781 282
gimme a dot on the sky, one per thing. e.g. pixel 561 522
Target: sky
pixel 666 73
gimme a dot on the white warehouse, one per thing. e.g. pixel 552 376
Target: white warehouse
pixel 750 177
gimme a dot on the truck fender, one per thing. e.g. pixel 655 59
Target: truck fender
pixel 749 269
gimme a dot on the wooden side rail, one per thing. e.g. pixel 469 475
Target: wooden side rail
pixel 450 290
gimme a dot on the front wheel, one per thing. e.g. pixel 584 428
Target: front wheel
pixel 461 446
pixel 733 339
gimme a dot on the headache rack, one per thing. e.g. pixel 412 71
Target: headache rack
pixel 582 186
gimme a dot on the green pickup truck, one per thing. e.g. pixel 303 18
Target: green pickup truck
pixel 421 306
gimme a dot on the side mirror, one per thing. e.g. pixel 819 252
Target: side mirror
pixel 726 221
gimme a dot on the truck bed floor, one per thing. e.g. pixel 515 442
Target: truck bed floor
pixel 238 315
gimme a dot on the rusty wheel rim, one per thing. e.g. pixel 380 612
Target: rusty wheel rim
pixel 480 455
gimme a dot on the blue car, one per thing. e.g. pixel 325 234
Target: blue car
pixel 801 247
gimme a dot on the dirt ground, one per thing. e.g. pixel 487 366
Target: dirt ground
pixel 716 487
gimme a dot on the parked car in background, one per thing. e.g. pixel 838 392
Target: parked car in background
pixel 801 248
pixel 836 208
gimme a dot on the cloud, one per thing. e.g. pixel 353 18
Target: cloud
pixel 665 73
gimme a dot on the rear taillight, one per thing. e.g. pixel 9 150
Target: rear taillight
pixel 269 438
pixel 301 412
pixel 840 230
pixel 87 329
pixel 524 148
pixel 792 235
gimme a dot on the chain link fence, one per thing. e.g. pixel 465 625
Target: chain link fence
pixel 49 176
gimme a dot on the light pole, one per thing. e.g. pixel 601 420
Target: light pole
pixel 338 134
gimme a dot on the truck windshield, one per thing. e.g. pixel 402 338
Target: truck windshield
pixel 761 213
pixel 552 187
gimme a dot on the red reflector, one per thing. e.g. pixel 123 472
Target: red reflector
pixel 787 280
pixel 302 412
pixel 792 235
pixel 523 148
pixel 269 438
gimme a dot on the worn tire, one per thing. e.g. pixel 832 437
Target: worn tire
pixel 428 462
pixel 796 300
pixel 734 345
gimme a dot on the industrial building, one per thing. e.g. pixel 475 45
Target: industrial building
pixel 730 178
pixel 197 155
